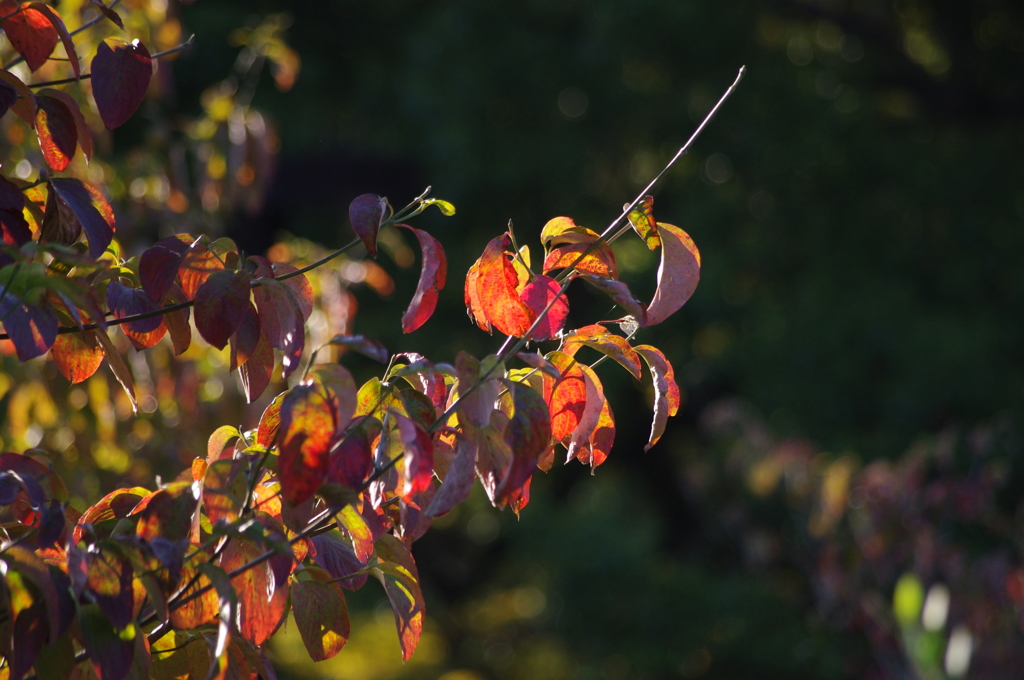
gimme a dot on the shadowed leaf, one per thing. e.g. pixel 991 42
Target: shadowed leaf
pixel 364 345
pixel 32 329
pixel 121 73
pixel 221 303
pixel 527 435
pixel 396 569
pixel 458 481
pixel 666 391
pixel 321 614
pixel 91 210
pixel 620 295
pixel 678 274
pixel 366 213
pixel 81 126
pixel 158 265
pixel 56 130
pixel 111 652
pixel 433 274
pixel 119 368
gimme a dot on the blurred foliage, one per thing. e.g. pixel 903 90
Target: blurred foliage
pixel 859 215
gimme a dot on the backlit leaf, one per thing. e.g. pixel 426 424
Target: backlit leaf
pixel 308 423
pixel 81 126
pixel 396 569
pixel 25 106
pixel 121 73
pixel 29 31
pixel 246 337
pixel 196 266
pixel 166 513
pixel 537 295
pixel 527 435
pixel 109 584
pixel 600 261
pixel 321 614
pixel 125 302
pixel 458 480
pixel 418 461
pixel 337 382
pixel 116 505
pixel 177 323
pixel 560 231
pixel 221 303
pixel 56 130
pixel 62 32
pixel 474 307
pixel 262 596
pixel 199 610
pixel 366 213
pixel 597 337
pixel 13 225
pixel 119 368
pixel 591 415
pixel 91 210
pixel 666 391
pixel 433 274
pixel 227 603
pixel 256 373
pixel 299 285
pixel 597 448
pixel 352 459
pixel 678 274
pixel 280 320
pixel 566 397
pixel 335 554
pixel 641 218
pixel 498 296
pixel 270 422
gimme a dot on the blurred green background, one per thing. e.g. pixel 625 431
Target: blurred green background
pixel 858 204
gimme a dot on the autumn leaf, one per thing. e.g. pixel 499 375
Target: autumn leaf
pixel 366 213
pixel 221 303
pixel 62 32
pixel 56 131
pixel 614 346
pixel 158 264
pixel 302 291
pixel 474 307
pixel 538 294
pixel 396 569
pixel 81 126
pixel 111 651
pixel 589 419
pixel 121 73
pixel 197 265
pixel 678 274
pixel 89 208
pixel 262 597
pixel 566 397
pixel 666 391
pixel 321 614
pixel 308 423
pixel 418 461
pixel 641 218
pixel 527 435
pixel 433 273
pixel 600 261
pixel 620 295
pixel 13 225
pixel 368 347
pixel 32 329
pixel 30 32
pixel 126 302
pixel 496 287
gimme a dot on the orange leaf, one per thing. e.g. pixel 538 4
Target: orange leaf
pixel 308 423
pixel 496 288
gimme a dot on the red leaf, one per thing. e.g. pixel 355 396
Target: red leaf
pixel 116 505
pixel 81 127
pixel 396 569
pixel 281 322
pixel 597 448
pixel 270 422
pixel 537 295
pixel 496 287
pixel 474 307
pixel 641 218
pixel 56 130
pixel 109 584
pixel 600 261
pixel 166 513
pixel 321 614
pixel 121 73
pixel 352 459
pixel 124 302
pixel 221 303
pixel 308 423
pixel 58 24
pixel 597 337
pixel 262 597
pixel 90 208
pixel 433 274
pixel 566 397
pixel 77 355
pixel 200 610
pixel 246 338
pixel 619 293
pixel 299 285
pixel 591 415
pixel 677 276
pixel 527 435
pixel 335 381
pixel 32 329
pixel 30 32
pixel 458 481
pixel 196 266
pixel 666 391
pixel 158 265
pixel 258 370
pixel 418 462
pixel 366 213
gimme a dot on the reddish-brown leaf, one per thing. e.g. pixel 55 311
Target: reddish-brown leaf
pixel 321 614
pixel 352 459
pixel 116 505
pixel 591 415
pixel 111 652
pixel 89 208
pixel 246 337
pixel 29 31
pixel 56 131
pixel 537 295
pixel 13 224
pixel 677 276
pixel 202 609
pixel 262 597
pixel 308 423
pixel 368 347
pixel 566 397
pixel 158 265
pixel 458 480
pixel 474 308
pixel 666 391
pixel 77 355
pixel 166 513
pixel 109 13
pixel 62 32
pixel 597 337
pixel 177 323
pixel 335 381
pixel 270 422
pixel 366 213
pixel 396 569
pixel 124 302
pixel 121 73
pixel 433 273
pixel 641 218
pixel 25 106
pixel 527 435
pixel 335 554
pixel 299 285
pixel 109 584
pixel 221 303
pixel 256 373
pixel 496 288
pixel 81 127
pixel 418 461
pixel 196 266
pixel 476 406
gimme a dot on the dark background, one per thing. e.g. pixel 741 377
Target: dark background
pixel 858 204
